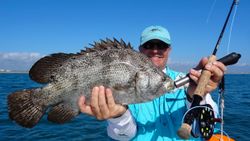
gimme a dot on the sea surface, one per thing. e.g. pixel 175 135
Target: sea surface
pixel 83 127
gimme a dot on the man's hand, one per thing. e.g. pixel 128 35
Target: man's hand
pixel 102 104
pixel 217 70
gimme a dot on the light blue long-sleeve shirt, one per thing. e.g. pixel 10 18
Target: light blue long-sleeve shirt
pixel 158 119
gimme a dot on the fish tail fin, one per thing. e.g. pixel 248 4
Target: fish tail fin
pixel 23 109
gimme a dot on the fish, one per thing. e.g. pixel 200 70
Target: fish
pixel 131 76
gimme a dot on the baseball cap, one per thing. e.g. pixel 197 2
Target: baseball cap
pixel 155 32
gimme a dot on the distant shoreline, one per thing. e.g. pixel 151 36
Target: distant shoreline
pixel 14 72
pixel 237 73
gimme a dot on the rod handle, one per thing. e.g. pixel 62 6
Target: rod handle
pixel 204 78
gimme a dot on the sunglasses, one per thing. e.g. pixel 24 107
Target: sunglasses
pixel 155 45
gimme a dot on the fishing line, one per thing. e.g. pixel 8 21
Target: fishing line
pixel 185 130
pixel 222 105
pixel 231 28
pixel 222 83
pixel 211 10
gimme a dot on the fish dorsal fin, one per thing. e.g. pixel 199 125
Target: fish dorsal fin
pixel 105 45
pixel 42 71
pixel 45 69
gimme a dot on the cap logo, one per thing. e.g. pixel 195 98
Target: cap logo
pixel 155 29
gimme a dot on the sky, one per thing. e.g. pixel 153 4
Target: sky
pixel 31 29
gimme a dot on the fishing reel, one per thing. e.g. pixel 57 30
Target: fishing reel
pixel 203 115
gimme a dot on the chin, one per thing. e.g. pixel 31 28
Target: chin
pixel 160 66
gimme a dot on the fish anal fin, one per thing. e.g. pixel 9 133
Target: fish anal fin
pixel 62 113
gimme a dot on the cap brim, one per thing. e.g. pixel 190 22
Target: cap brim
pixel 165 40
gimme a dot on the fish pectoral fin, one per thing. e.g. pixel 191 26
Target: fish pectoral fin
pixel 62 113
pixel 142 81
pixel 23 110
pixel 42 71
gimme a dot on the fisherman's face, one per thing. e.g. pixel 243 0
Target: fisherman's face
pixel 157 51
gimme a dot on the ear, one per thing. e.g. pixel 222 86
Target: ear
pixel 170 48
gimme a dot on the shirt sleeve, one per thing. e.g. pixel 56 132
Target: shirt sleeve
pixel 122 128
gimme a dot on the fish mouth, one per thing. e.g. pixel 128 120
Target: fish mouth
pixel 168 86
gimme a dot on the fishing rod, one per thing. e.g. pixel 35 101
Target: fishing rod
pixel 205 116
pixel 227 60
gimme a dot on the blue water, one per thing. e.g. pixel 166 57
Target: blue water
pixel 83 127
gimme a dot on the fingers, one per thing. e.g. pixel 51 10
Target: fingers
pixel 95 102
pixel 216 65
pixel 217 69
pixel 104 110
pixel 116 110
pixel 102 104
pixel 220 65
pixel 83 107
pixel 194 75
pixel 110 98
pixel 99 104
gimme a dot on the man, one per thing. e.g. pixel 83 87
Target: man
pixel 158 119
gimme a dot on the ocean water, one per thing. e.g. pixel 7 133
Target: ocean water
pixel 83 127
